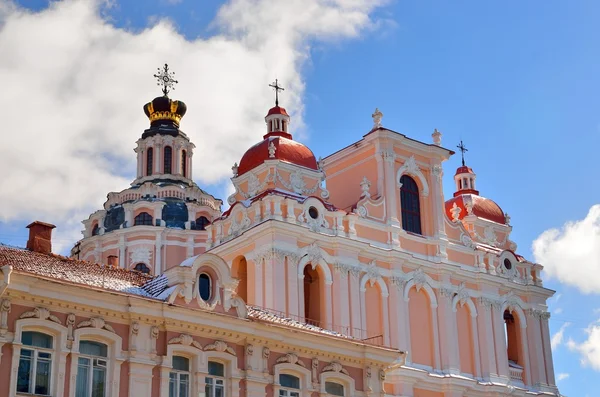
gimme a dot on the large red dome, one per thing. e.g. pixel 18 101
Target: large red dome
pixel 482 207
pixel 285 150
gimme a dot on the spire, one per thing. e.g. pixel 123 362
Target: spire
pixel 462 149
pixel 277 118
pixel 464 177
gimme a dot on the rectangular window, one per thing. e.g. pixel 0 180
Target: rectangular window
pixel 334 389
pixel 33 376
pixel 179 378
pixel 288 382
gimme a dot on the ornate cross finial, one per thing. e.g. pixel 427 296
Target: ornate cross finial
pixel 462 149
pixel 165 78
pixel 277 88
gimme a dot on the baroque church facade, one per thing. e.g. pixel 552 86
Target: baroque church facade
pixel 345 276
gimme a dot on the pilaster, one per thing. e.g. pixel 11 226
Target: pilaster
pixel 448 338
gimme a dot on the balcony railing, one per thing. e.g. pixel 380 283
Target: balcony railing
pixel 515 371
pixel 341 331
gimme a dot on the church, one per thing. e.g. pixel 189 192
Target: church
pixel 348 276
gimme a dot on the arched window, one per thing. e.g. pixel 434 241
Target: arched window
pixel 201 223
pixel 179 377
pixel 215 382
pixel 334 388
pixel 183 163
pixel 510 333
pixel 149 161
pixel 290 386
pixel 96 230
pixel 143 219
pixel 204 286
pixel 168 160
pixel 91 369
pixel 312 296
pixel 141 267
pixel 411 207
pixel 35 363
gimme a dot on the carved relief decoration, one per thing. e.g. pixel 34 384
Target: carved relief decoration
pixel 140 254
pixel 96 322
pixel 411 167
pixel 4 310
pixel 42 314
pixel 334 366
pixel 186 340
pixel 220 346
pixel 314 224
pixel 291 358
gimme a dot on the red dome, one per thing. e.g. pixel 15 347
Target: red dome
pixel 285 150
pixel 277 110
pixel 464 170
pixel 482 208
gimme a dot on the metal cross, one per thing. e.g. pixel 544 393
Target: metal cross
pixel 165 78
pixel 463 149
pixel 277 88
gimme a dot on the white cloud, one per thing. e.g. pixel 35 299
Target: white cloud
pixel 589 349
pixel 74 86
pixel 558 310
pixel 572 253
pixel 562 376
pixel 558 337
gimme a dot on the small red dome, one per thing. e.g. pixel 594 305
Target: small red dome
pixel 482 208
pixel 277 110
pixel 464 170
pixel 285 150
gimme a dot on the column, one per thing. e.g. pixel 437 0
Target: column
pixel 301 309
pixel 448 338
pixel 386 319
pixel 535 344
pixel 499 340
pixel 177 170
pixel 140 161
pixel 269 281
pixel 278 268
pixel 390 186
pixel 258 282
pixel 363 314
pixel 486 339
pixel 157 156
pixel 436 337
pixel 292 288
pixel 475 342
pixel 341 302
pixel 189 163
pixel 355 306
pixel 398 316
pixel 527 363
pixel 122 256
pixel 547 349
pixel 328 304
pixel 158 254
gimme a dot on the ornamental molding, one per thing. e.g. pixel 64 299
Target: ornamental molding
pixel 297 185
pixel 373 273
pixel 334 366
pixel 221 347
pixel 140 254
pixel 538 314
pixel 272 150
pixel 489 303
pixel 5 307
pixel 455 211
pixel 467 241
pixel 185 340
pixel 377 116
pixel 96 322
pixel 462 293
pixel 419 278
pixel 236 226
pixel 291 358
pixel 314 224
pixel 365 185
pixel 410 167
pixel 437 171
pixel 41 313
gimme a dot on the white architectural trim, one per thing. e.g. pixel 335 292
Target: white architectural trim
pixel 411 168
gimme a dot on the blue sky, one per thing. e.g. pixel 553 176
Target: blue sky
pixel 518 82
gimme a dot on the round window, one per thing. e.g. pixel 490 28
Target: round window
pixel 313 212
pixel 507 264
pixel 204 286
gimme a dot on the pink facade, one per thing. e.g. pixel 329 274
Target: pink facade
pixel 374 284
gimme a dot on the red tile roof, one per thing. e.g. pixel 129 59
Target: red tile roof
pixel 73 270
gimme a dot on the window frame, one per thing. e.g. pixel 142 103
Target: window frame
pixel 411 219
pixel 92 366
pixel 34 360
pixel 302 373
pixel 149 160
pixel 340 378
pixel 215 378
pixel 143 219
pixel 178 373
pixel 210 286
pixel 168 160
pixel 135 267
